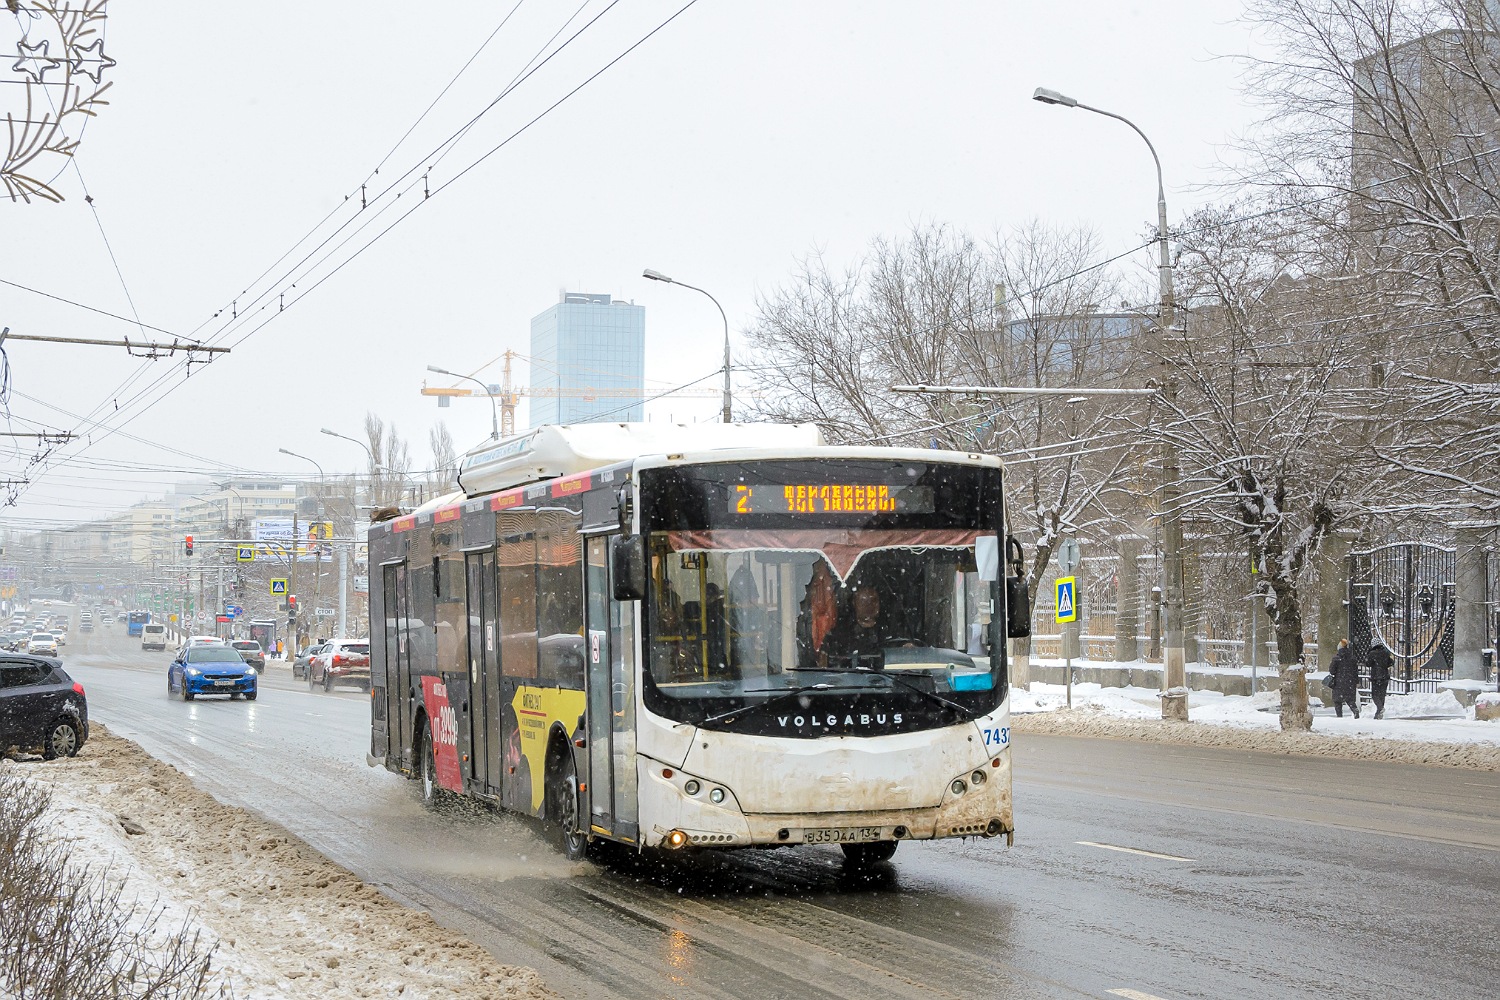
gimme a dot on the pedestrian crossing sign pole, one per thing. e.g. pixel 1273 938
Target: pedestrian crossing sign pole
pixel 1067 604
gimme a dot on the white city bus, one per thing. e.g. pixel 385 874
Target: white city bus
pixel 704 636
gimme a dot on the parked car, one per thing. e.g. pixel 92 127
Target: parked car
pixel 211 668
pixel 153 636
pixel 42 644
pixel 250 652
pixel 300 664
pixel 42 709
pixel 342 661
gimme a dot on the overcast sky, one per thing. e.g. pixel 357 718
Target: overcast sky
pixel 738 138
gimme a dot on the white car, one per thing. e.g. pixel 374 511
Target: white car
pixel 201 640
pixel 61 635
pixel 42 644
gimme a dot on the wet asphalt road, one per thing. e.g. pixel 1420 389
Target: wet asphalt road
pixel 1267 876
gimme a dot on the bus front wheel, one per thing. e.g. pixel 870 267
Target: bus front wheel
pixel 865 855
pixel 562 808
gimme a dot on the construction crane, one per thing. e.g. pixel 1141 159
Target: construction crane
pixel 508 395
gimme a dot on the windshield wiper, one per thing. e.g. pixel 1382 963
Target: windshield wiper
pixel 894 679
pixel 784 696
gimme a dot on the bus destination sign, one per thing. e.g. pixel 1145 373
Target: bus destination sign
pixel 829 498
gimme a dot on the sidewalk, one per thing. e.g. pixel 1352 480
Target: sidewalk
pixel 1204 678
pixel 1426 718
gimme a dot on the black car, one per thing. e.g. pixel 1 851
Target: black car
pixel 42 709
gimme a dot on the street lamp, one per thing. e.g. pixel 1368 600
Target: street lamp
pixel 494 410
pixel 1173 706
pixel 658 276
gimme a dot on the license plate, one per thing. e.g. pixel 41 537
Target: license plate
pixel 849 835
pixel 224 684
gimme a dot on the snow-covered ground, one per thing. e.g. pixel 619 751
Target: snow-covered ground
pixel 1431 729
pixel 1428 718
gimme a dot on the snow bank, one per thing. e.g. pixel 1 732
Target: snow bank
pixel 283 919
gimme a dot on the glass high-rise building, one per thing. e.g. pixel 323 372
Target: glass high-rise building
pixel 588 361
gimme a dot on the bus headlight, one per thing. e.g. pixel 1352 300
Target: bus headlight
pixel 716 796
pixel 691 786
pixel 676 839
pixel 958 787
pixel 978 778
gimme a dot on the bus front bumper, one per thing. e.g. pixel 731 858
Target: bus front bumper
pixel 679 818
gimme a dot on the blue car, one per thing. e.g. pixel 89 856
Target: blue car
pixel 211 670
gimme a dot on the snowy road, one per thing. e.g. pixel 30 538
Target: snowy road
pixel 1170 871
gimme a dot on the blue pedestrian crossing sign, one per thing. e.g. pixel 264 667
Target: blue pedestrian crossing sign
pixel 278 586
pixel 1067 599
pixel 244 553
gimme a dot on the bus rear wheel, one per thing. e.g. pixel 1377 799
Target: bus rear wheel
pixel 432 792
pixel 865 855
pixel 562 808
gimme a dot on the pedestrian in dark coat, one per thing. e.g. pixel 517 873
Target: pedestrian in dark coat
pixel 1378 665
pixel 1345 673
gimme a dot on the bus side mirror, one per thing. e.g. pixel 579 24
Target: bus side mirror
pixel 1017 594
pixel 627 565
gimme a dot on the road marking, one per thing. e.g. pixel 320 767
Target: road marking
pixel 1132 850
pixel 1135 994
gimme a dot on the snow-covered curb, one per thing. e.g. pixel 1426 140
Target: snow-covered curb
pixel 284 920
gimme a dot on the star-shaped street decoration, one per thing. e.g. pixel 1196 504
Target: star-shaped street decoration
pixel 91 65
pixel 34 61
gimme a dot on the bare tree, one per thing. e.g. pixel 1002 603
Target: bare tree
pixel 443 476
pixel 390 461
pixel 1383 139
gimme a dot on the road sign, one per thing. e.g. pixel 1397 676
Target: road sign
pixel 233 609
pixel 325 612
pixel 1069 555
pixel 278 586
pixel 1067 599
pixel 244 553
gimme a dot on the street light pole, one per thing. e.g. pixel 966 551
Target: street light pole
pixel 658 276
pixel 317 562
pixel 494 410
pixel 1174 700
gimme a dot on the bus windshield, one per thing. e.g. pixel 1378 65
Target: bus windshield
pixel 777 607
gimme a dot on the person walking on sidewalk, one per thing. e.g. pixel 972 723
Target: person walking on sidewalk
pixel 1378 664
pixel 1345 673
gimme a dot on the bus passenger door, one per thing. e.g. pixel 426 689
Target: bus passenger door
pixel 600 702
pixel 397 671
pixel 481 664
pixel 611 702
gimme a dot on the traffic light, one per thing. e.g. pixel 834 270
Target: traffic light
pixel 291 606
pixel 187 544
